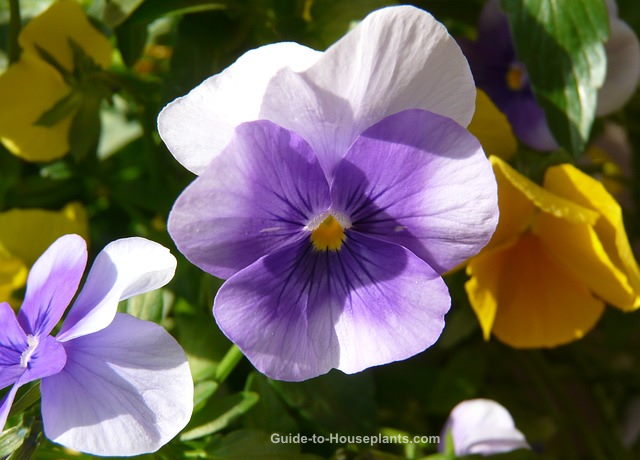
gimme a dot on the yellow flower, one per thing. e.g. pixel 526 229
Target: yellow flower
pixel 24 236
pixel 31 86
pixel 559 253
pixel 492 128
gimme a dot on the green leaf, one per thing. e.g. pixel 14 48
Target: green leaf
pixel 85 127
pixel 203 342
pixel 12 439
pixel 561 45
pixel 334 402
pixel 151 306
pixel 149 11
pixel 271 412
pixel 116 11
pixel 218 414
pixel 202 392
pixel 330 20
pixel 26 399
pixel 254 445
pixel 67 105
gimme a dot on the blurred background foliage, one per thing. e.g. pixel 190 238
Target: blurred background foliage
pixel 572 402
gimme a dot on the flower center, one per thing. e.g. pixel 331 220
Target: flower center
pixel 329 234
pixel 516 77
pixel 25 357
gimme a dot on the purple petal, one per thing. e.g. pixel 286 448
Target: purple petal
pixel 124 268
pixel 254 197
pixel 397 58
pixel 5 405
pixel 297 312
pixel 52 283
pixel 482 426
pixel 13 341
pixel 126 390
pixel 436 194
pixel 199 125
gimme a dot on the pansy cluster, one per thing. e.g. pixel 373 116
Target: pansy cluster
pixel 334 191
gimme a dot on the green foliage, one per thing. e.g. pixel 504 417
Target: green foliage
pixel 561 45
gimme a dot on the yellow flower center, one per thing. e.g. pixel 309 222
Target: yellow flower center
pixel 328 236
pixel 516 77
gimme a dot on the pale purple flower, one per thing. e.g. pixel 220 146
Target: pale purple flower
pixel 504 78
pixel 482 426
pixel 111 384
pixel 334 217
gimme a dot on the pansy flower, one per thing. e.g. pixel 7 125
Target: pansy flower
pixel 334 216
pixel 53 31
pixel 111 384
pixel 25 234
pixel 498 71
pixel 484 427
pixel 558 254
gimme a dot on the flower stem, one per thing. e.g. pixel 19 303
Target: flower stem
pixel 228 363
pixel 15 24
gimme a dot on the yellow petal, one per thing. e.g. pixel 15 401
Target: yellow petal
pixel 569 182
pixel 516 209
pixel 28 89
pixel 492 128
pixel 484 272
pixel 13 274
pixel 543 199
pixel 578 248
pixel 538 303
pixel 26 233
pixel 52 30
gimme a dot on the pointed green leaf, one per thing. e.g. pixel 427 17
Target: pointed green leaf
pixel 61 109
pixel 561 45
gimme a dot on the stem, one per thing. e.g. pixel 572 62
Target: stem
pixel 15 24
pixel 228 363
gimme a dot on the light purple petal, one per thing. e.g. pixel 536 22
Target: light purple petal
pixel 198 126
pixel 397 58
pixel 482 426
pixel 297 312
pixel 422 181
pixel 5 405
pixel 52 283
pixel 124 268
pixel 254 197
pixel 13 341
pixel 126 390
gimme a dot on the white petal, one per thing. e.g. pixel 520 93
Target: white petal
pixel 126 390
pixel 397 58
pixel 124 268
pixel 623 67
pixel 482 426
pixel 196 127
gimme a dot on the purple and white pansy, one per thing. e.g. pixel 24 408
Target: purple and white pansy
pixel 334 189
pixel 111 384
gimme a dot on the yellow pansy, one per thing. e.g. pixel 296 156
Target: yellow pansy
pixel 558 254
pixel 26 233
pixel 492 128
pixel 31 86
